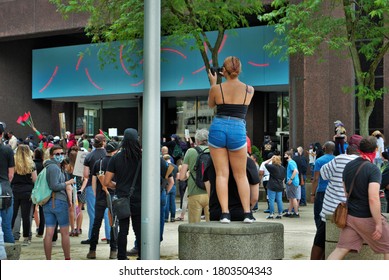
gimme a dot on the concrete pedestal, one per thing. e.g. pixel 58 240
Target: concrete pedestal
pixel 234 241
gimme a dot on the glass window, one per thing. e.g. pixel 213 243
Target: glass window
pixel 193 113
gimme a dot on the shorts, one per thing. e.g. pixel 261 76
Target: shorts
pixel 60 213
pixel 358 230
pixel 227 132
pixel 292 191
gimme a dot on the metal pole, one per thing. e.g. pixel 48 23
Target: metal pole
pixel 151 131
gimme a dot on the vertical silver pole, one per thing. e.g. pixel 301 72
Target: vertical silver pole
pixel 151 131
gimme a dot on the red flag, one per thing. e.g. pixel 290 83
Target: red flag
pixel 20 121
pixel 105 134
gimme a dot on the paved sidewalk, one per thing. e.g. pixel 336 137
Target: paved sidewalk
pixel 298 239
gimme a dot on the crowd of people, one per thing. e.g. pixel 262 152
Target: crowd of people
pixel 216 175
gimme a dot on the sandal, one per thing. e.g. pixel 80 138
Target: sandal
pixel 179 219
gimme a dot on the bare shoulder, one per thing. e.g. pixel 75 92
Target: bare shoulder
pixel 250 89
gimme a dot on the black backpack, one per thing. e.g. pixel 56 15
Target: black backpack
pixel 201 163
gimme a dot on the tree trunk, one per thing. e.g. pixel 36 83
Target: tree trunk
pixel 365 108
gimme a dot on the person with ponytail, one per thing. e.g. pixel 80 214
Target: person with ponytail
pixel 227 134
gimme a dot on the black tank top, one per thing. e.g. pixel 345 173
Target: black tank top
pixel 232 110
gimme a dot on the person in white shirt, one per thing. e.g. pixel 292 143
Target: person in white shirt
pixel 381 148
pixel 264 176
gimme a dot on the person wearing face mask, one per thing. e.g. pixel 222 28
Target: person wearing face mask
pixel 365 224
pixel 57 208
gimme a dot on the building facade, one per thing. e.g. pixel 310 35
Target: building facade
pixel 298 111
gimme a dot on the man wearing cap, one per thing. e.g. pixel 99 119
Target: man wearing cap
pixel 101 202
pixel 7 170
pixel 89 162
pixel 334 193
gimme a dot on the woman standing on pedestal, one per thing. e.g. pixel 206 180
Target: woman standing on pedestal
pixel 227 134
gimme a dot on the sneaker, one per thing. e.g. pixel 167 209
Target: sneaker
pixel 288 215
pixel 132 252
pixel 225 218
pixel 270 217
pixel 248 218
pixel 279 217
pixel 113 255
pixel 85 242
pixel 26 242
pixel 91 255
pixel 105 239
pixel 172 220
pixel 266 211
pixel 294 215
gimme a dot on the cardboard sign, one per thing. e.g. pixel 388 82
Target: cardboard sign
pixel 62 124
pixel 79 165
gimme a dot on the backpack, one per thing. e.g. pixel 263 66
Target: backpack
pixel 201 163
pixel 177 151
pixel 41 193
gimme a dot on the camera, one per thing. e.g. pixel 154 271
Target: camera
pixel 217 70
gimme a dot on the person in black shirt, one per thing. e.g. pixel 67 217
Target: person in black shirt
pixel 123 166
pixel 234 203
pixel 101 202
pixel 364 220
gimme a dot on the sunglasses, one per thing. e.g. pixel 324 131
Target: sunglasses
pixel 59 154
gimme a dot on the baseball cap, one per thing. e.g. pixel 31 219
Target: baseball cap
pixel 111 147
pixel 99 138
pixel 355 140
pixel 130 134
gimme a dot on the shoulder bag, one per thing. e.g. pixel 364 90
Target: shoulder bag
pixel 121 206
pixel 339 218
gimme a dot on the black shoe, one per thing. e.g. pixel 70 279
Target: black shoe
pixel 288 215
pixel 294 215
pixel 132 252
pixel 278 217
pixel 248 218
pixel 225 218
pixel 87 241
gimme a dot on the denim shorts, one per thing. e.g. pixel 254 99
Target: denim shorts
pixel 227 132
pixel 60 213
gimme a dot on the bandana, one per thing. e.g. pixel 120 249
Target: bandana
pixel 368 156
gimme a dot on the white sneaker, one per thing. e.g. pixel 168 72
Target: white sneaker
pixel 225 218
pixel 248 218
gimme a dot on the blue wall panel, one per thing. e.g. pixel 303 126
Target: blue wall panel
pixel 63 72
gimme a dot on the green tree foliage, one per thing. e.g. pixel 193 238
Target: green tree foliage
pixel 362 30
pixel 123 20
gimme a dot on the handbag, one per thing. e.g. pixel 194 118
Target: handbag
pixel 5 195
pixel 121 206
pixel 339 218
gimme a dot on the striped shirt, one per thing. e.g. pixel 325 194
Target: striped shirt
pixel 334 194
